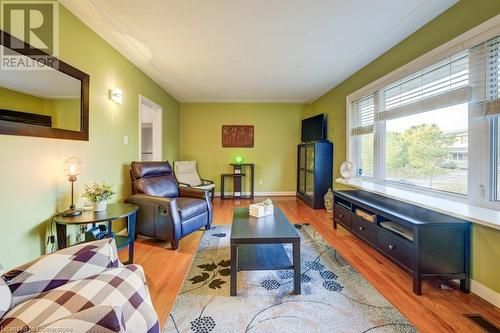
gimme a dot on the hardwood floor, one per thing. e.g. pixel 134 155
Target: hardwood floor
pixel 437 310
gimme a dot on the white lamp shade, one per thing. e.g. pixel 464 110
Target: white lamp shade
pixel 116 95
pixel 72 166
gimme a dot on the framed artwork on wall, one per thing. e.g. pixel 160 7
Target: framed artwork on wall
pixel 241 136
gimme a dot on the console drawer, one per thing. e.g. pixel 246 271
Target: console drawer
pixel 343 216
pixel 395 247
pixel 364 229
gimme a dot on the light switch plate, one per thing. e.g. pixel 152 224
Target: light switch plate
pixel 125 140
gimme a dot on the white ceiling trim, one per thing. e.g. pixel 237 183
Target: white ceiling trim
pixel 248 101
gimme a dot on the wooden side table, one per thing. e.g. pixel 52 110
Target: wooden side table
pixel 237 176
pixel 112 213
pixel 236 180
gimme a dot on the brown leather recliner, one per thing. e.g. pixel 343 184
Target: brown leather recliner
pixel 166 211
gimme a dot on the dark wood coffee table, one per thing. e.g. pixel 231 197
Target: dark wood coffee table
pixel 257 244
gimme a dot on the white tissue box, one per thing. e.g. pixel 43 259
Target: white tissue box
pixel 260 210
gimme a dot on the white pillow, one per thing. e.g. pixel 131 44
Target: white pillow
pixel 5 296
pixel 185 167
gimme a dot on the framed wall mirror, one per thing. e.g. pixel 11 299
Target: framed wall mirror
pixel 41 95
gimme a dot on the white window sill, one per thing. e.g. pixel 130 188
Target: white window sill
pixel 484 216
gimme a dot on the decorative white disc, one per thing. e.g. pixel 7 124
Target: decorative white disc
pixel 347 170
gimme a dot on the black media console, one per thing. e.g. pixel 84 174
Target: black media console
pixel 425 243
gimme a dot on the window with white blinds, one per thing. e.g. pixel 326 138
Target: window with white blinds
pixel 414 114
pixel 434 124
pixel 363 115
pixel 492 107
pixel 442 84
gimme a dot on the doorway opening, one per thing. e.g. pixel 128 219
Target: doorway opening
pixel 150 130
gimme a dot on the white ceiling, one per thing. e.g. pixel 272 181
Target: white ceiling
pixel 47 83
pixel 258 50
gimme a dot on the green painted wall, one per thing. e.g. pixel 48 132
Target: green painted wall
pixel 486 256
pixel 18 101
pixel 33 183
pixel 277 133
pixel 458 19
pixel 65 113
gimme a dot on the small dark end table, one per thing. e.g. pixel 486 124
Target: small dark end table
pixel 237 176
pixel 112 213
pixel 257 244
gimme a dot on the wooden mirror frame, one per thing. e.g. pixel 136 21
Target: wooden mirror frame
pixel 13 128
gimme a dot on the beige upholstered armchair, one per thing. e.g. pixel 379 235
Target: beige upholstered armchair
pixel 187 176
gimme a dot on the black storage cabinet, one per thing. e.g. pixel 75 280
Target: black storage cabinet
pixel 314 172
pixel 435 245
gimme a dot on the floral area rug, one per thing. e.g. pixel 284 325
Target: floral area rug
pixel 335 298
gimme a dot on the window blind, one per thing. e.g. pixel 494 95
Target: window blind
pixel 485 76
pixel 492 86
pixel 363 115
pixel 493 69
pixel 442 84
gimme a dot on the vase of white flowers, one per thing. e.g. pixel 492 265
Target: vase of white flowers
pixel 97 194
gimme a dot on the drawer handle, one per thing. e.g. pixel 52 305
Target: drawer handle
pixel 361 228
pixel 392 247
pixel 341 216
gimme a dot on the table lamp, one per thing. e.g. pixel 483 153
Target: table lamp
pixel 72 169
pixel 238 159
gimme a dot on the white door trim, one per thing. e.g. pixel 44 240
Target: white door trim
pixel 158 143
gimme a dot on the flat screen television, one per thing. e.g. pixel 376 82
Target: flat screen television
pixel 314 128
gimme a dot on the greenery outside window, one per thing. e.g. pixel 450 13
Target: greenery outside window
pixel 428 150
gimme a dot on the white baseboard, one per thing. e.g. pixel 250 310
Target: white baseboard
pixel 485 293
pixel 263 194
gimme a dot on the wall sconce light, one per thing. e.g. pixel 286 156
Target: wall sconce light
pixel 116 95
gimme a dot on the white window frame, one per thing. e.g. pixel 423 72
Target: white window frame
pixel 480 190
